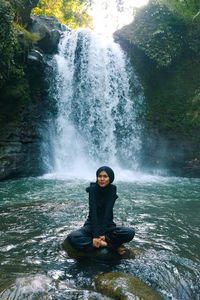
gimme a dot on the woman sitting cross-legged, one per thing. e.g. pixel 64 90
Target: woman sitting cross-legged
pixel 99 229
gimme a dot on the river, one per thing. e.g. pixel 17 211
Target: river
pixel 38 213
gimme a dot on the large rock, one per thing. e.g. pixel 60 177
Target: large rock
pixel 23 106
pixel 119 285
pixel 103 253
pixel 48 31
pixel 17 152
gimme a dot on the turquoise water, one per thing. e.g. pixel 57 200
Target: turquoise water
pixel 38 213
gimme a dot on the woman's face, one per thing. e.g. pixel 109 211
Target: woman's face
pixel 103 179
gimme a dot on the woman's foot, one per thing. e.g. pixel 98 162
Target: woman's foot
pixel 121 250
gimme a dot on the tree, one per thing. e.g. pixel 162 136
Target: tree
pixel 22 10
pixel 73 13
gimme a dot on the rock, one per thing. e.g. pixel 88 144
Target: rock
pixel 18 146
pixel 35 56
pixel 103 253
pixel 119 285
pixel 48 30
pixel 24 106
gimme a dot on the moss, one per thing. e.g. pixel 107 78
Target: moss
pixel 14 100
pixel 157 32
pixel 169 93
pixel 119 285
pixel 16 43
pixel 5 159
pixel 8 45
pixel 103 253
pixel 170 73
pixel 30 38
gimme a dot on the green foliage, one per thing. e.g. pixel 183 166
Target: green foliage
pixel 15 43
pixel 158 32
pixel 172 97
pixel 194 112
pixel 49 8
pixel 73 13
pixel 189 12
pixel 165 48
pixel 188 9
pixel 22 9
pixel 164 33
pixel 29 38
pixel 8 45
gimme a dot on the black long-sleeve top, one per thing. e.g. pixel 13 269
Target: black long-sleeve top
pixel 101 202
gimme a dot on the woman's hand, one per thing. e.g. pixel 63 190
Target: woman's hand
pixel 100 242
pixel 102 238
pixel 96 242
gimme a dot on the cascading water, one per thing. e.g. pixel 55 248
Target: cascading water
pixel 97 101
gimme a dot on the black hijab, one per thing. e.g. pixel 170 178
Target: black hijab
pixel 109 171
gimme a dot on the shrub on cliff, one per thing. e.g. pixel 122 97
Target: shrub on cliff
pixel 8 45
pixel 15 41
pixel 162 33
pixel 73 13
pixel 163 41
pixel 22 10
pixel 153 31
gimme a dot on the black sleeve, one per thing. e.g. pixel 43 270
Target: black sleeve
pixel 109 208
pixel 93 212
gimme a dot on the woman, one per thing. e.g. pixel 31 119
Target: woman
pixel 99 229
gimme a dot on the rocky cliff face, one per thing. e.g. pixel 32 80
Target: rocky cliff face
pixel 164 51
pixel 24 105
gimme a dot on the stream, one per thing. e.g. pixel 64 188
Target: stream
pixel 38 213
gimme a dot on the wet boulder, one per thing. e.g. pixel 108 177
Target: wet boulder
pixel 119 285
pixel 48 31
pixel 103 253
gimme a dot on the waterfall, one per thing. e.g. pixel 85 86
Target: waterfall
pixel 97 97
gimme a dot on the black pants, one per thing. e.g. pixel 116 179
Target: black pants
pixel 82 239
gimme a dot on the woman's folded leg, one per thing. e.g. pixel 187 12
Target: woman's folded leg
pixel 119 235
pixel 81 239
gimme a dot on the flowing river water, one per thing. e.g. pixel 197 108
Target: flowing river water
pixel 38 213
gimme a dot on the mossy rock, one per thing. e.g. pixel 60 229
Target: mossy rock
pixel 103 253
pixel 119 285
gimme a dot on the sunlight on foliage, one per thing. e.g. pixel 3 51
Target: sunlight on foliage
pixel 72 13
pixel 33 38
pixel 188 9
pixel 49 8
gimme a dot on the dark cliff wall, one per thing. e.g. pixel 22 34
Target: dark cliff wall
pixel 22 114
pixel 165 52
pixel 25 111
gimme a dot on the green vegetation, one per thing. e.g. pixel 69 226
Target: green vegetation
pixel 164 33
pixel 22 9
pixel 9 46
pixel 73 13
pixel 187 9
pixel 164 44
pixel 194 111
pixel 15 43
